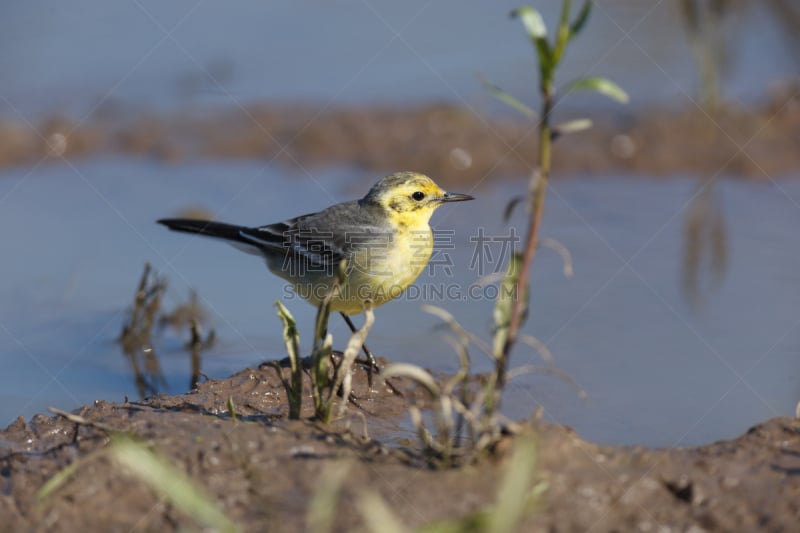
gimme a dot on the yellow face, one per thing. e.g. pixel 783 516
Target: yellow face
pixel 410 197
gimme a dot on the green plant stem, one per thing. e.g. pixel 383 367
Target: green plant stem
pixel 538 191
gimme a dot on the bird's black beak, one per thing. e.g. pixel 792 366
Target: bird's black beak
pixel 455 197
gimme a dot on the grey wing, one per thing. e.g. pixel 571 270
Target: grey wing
pixel 290 239
pixel 342 230
pixel 323 239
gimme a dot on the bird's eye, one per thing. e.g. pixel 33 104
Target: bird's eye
pixel 418 196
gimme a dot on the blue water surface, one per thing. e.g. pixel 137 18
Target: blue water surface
pixel 657 369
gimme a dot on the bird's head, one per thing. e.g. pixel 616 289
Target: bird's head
pixel 410 197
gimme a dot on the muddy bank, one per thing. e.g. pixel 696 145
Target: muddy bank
pixel 452 143
pixel 262 470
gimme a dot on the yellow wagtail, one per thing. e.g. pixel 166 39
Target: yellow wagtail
pixel 384 237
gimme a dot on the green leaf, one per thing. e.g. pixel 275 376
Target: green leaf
pixel 532 20
pixel 581 19
pixel 563 33
pixel 507 99
pixel 572 126
pixel 537 31
pixel 603 86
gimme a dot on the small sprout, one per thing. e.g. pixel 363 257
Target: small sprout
pixel 327 377
pixel 232 409
pixel 291 338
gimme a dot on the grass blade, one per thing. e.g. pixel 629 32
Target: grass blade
pixel 170 483
pixel 414 373
pixel 322 508
pixel 59 479
pixel 377 515
pixel 511 498
pixel 343 377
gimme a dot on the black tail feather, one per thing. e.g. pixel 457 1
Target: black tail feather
pixel 206 227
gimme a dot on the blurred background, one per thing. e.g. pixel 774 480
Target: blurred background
pixel 682 319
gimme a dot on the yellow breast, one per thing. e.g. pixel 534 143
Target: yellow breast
pixel 378 272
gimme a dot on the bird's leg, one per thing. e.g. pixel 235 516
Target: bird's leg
pixel 373 364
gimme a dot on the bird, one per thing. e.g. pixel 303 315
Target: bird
pixel 354 253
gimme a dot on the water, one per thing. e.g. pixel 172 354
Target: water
pixel 656 371
pixel 73 57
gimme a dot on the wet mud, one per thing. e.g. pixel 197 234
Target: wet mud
pixel 455 144
pixel 263 470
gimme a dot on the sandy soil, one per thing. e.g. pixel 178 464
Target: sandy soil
pixel 262 469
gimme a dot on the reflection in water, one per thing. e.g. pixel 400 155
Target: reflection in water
pixel 787 14
pixel 705 231
pixel 191 316
pixel 196 344
pixel 711 46
pixel 706 235
pixel 715 29
pixel 136 338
